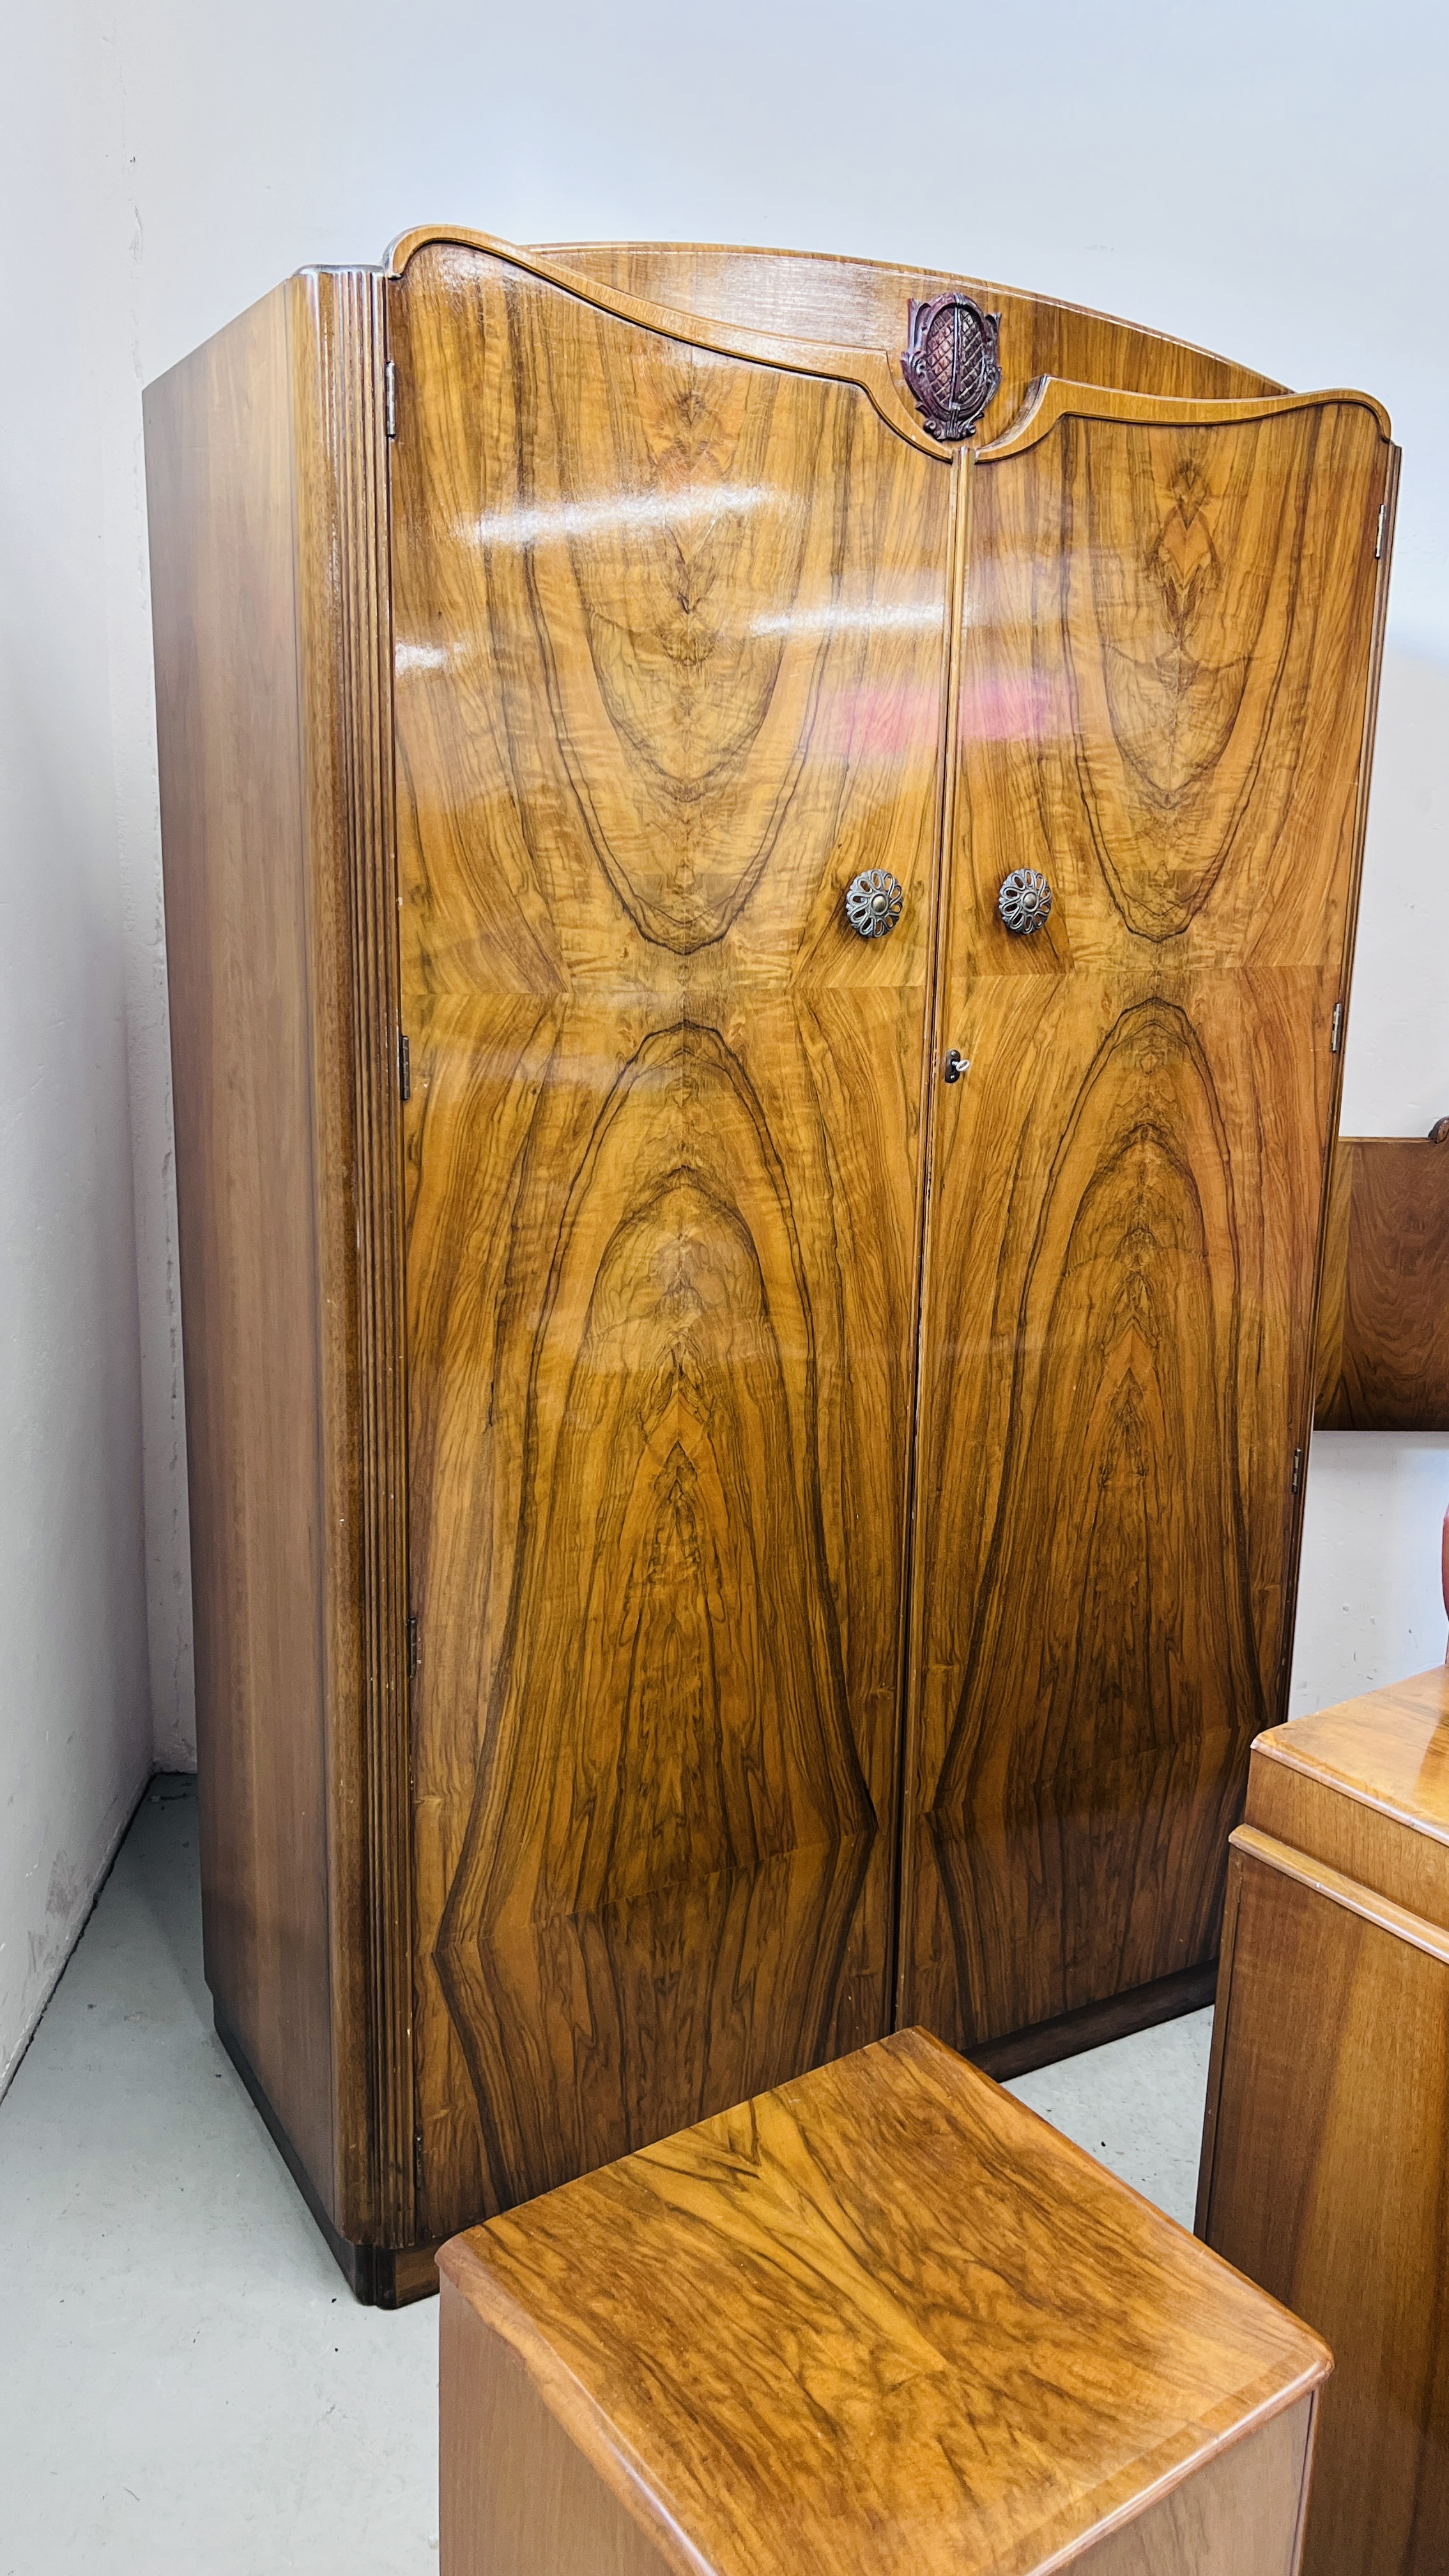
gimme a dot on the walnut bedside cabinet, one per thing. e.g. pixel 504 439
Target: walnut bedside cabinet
pixel 882 2319
pixel 1325 2172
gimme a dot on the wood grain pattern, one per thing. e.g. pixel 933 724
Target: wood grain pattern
pixel 1056 398
pixel 346 659
pixel 1383 1331
pixel 1325 2178
pixel 693 622
pixel 863 304
pixel 1242 2515
pixel 670 646
pixel 518 2498
pixel 223 586
pixel 884 2316
pixel 1333 1283
pixel 876 372
pixel 1365 1787
pixel 1165 681
pixel 268 551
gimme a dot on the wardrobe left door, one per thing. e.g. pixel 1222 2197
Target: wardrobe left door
pixel 670 635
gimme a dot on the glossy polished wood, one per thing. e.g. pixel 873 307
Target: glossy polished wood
pixel 517 2498
pixel 1365 1787
pixel 863 303
pixel 1166 683
pixel 267 536
pixel 223 588
pixel 1383 1327
pixel 1325 2172
pixel 515 2495
pixel 881 2317
pixel 875 371
pixel 694 620
pixel 671 649
pixel 1057 398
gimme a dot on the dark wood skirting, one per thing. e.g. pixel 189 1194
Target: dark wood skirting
pixel 1166 1999
pixel 379 2276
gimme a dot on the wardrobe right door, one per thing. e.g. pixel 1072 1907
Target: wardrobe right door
pixel 1165 703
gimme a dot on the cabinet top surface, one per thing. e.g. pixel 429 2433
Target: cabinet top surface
pixel 883 2315
pixel 1389 1749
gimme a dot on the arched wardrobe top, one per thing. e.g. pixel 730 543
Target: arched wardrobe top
pixel 861 304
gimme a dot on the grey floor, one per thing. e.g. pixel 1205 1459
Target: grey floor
pixel 185 2383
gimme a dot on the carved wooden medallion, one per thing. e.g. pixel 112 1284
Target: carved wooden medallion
pixel 951 364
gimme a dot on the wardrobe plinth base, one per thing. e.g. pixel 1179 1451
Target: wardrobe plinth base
pixel 379 2276
pixel 1046 2042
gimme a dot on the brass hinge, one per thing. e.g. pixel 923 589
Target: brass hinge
pixel 1297 1469
pixel 404 1067
pixel 389 380
pixel 417 2160
pixel 412 1645
pixel 1335 1033
pixel 1379 539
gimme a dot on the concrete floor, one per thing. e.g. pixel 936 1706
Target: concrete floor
pixel 185 2382
pixel 1136 2106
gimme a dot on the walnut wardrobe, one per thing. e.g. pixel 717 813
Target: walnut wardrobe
pixel 760 863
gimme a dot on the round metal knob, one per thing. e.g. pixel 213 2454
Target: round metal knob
pixel 873 903
pixel 1024 902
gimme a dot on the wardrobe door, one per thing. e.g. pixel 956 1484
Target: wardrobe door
pixel 1169 648
pixel 669 644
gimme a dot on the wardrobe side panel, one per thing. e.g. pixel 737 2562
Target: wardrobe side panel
pixel 219 464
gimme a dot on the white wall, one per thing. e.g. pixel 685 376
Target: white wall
pixel 1266 180
pixel 75 1739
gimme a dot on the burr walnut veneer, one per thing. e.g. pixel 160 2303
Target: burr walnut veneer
pixel 1325 2170
pixel 1383 1325
pixel 882 2317
pixel 632 1369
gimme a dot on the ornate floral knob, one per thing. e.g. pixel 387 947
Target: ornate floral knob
pixel 1024 902
pixel 873 903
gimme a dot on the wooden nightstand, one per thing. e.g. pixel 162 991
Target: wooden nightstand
pixel 1325 2172
pixel 882 2318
